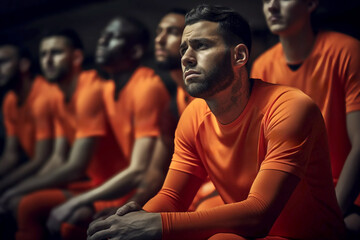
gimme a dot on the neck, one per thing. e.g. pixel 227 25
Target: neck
pixel 230 103
pixel 68 85
pixel 23 89
pixel 177 76
pixel 121 78
pixel 297 47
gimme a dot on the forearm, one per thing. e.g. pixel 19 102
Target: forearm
pixel 173 196
pixel 19 174
pixel 348 185
pixel 7 164
pixel 248 218
pixel 148 188
pixel 60 177
pixel 116 187
pixel 252 217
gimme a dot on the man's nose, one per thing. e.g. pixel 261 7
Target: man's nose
pixel 189 58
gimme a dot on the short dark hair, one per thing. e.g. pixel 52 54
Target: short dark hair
pixel 232 25
pixel 137 32
pixel 71 36
pixel 180 11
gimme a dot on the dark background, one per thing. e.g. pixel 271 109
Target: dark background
pixel 26 20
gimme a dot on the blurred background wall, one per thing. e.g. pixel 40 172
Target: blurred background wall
pixel 26 20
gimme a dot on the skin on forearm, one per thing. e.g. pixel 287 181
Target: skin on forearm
pixel 72 170
pixel 8 163
pixel 10 157
pixel 126 180
pixel 156 173
pixel 61 150
pixel 42 153
pixel 347 188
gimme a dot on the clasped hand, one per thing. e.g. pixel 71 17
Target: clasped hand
pixel 129 223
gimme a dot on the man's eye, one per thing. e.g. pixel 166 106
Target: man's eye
pixel 201 46
pixel 182 51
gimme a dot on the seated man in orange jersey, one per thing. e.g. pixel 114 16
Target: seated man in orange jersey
pixel 80 126
pixel 325 66
pixel 134 99
pixel 167 56
pixel 263 146
pixel 28 117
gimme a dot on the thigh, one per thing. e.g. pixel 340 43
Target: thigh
pixel 82 216
pixel 40 203
pixel 227 236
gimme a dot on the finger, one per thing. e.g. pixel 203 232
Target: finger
pixel 105 213
pixel 129 207
pixel 98 225
pixel 51 225
pixel 103 234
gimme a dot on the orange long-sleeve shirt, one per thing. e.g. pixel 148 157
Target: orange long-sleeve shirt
pixel 280 129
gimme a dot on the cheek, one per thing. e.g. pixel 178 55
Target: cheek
pixel 8 68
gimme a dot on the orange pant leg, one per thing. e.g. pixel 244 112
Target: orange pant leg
pixel 232 236
pixel 226 236
pixel 73 232
pixel 33 212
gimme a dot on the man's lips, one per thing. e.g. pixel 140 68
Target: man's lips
pixel 274 18
pixel 160 52
pixel 189 74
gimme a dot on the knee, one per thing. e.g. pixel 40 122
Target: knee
pixel 82 216
pixel 27 206
pixel 226 236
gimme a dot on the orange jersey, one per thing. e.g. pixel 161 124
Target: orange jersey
pixel 330 76
pixel 84 116
pixel 280 129
pixel 182 99
pixel 136 113
pixel 33 120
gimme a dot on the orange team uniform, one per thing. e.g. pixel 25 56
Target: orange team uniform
pixel 182 99
pixel 207 196
pixel 135 114
pixel 33 120
pixel 330 76
pixel 81 116
pixel 272 133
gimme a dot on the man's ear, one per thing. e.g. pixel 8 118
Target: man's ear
pixel 241 55
pixel 312 5
pixel 24 65
pixel 78 57
pixel 137 51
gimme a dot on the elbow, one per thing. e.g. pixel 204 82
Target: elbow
pixel 138 174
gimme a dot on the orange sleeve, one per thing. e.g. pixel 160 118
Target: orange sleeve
pixel 185 157
pixel 150 103
pixel 9 109
pixel 349 70
pixel 288 135
pixel 90 113
pixel 264 203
